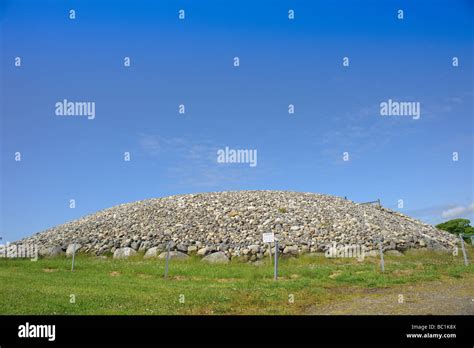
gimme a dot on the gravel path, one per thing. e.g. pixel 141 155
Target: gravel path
pixel 445 297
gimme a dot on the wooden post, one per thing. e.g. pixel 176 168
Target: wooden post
pixel 382 264
pixel 463 250
pixel 73 255
pixel 167 259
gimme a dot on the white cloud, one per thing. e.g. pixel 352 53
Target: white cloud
pixel 192 163
pixel 458 211
pixel 149 143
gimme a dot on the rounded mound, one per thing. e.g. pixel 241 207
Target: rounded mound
pixel 233 222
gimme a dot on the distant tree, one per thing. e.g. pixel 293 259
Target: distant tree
pixel 457 226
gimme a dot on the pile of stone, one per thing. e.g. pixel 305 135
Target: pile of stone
pixel 230 225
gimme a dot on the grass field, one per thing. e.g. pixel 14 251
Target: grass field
pixel 307 285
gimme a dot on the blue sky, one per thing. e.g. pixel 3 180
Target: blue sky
pixel 190 62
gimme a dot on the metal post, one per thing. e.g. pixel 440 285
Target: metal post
pixel 378 200
pixel 381 255
pixel 275 272
pixel 167 259
pixel 73 255
pixel 270 251
pixel 463 250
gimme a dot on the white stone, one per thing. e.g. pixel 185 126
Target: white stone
pixel 70 249
pixel 124 253
pixel 218 257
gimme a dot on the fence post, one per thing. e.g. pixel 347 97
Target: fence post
pixel 463 250
pixel 73 255
pixel 167 259
pixel 382 264
pixel 275 272
pixel 378 200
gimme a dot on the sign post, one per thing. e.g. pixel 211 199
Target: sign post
pixel 167 259
pixel 463 250
pixel 73 255
pixel 275 272
pixel 269 238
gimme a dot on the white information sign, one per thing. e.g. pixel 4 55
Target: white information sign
pixel 268 237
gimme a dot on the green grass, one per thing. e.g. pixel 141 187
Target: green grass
pixel 137 286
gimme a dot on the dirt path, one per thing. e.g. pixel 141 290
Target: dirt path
pixel 443 297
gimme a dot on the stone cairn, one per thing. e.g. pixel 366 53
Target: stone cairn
pixel 231 224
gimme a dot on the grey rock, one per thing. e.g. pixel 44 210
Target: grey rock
pixel 372 253
pixel 218 257
pixel 438 248
pixel 55 251
pixel 254 249
pixel 124 253
pixel 152 252
pixel 202 252
pixel 183 248
pixel 291 249
pixel 192 249
pixel 144 246
pixel 70 249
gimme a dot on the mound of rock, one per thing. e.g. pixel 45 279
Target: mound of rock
pixel 233 223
